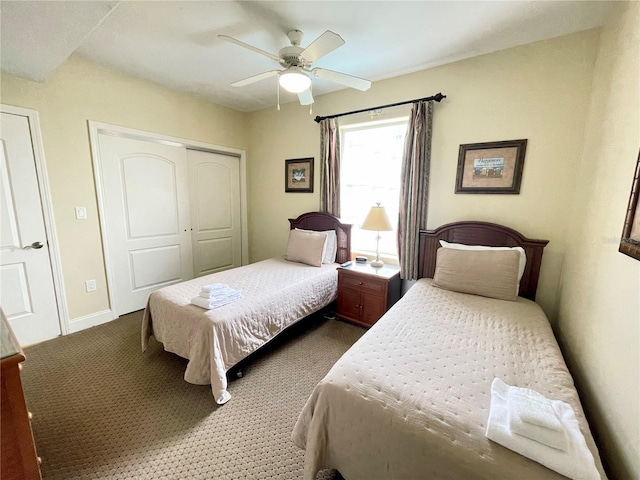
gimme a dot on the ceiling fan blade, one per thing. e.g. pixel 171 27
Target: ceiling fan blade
pixel 342 78
pixel 250 47
pixel 305 97
pixel 325 43
pixel 255 78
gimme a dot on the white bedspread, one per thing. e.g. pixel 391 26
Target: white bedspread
pixel 275 294
pixel 411 398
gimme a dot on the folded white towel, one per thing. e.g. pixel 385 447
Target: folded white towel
pixel 534 416
pixel 214 287
pixel 553 438
pixel 215 303
pixel 221 292
pixel 532 407
pixel 576 463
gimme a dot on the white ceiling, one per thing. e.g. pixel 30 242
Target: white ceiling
pixel 175 43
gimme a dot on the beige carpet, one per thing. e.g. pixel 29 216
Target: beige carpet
pixel 104 410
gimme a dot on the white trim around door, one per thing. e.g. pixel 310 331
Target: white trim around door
pixel 98 128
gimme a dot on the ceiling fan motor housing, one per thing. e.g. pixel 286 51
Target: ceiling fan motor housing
pixel 291 56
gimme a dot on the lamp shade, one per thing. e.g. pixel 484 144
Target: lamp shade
pixel 294 80
pixel 377 219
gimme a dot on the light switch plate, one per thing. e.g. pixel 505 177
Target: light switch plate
pixel 81 213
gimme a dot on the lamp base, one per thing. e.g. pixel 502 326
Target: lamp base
pixel 377 263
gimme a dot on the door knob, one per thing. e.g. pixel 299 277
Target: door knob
pixel 34 245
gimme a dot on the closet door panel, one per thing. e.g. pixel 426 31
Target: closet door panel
pixel 214 187
pixel 147 217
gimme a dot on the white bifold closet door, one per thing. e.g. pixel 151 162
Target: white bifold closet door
pixel 214 188
pixel 170 214
pixel 146 209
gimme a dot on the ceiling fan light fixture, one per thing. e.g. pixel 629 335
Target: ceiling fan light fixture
pixel 294 80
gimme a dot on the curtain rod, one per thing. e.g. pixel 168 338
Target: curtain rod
pixel 437 97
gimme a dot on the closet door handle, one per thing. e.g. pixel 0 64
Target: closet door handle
pixel 34 245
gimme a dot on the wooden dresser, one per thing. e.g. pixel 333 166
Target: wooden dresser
pixel 18 460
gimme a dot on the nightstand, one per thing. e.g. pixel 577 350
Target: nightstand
pixel 365 293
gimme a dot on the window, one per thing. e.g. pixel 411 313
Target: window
pixel 370 169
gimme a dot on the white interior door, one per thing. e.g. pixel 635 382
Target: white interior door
pixel 146 210
pixel 27 292
pixel 214 188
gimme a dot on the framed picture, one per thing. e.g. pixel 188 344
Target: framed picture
pixel 492 167
pixel 630 241
pixel 298 175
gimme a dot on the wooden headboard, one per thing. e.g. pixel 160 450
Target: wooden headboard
pixel 482 233
pixel 320 221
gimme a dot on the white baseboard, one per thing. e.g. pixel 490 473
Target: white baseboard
pixel 98 318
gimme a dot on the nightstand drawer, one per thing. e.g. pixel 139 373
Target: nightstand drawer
pixel 361 281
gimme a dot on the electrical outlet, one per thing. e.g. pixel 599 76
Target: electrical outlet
pixel 91 285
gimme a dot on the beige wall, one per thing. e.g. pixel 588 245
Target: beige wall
pixel 599 314
pixel 538 91
pixel 546 92
pixel 81 91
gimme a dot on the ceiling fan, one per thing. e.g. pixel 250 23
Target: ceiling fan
pixel 298 65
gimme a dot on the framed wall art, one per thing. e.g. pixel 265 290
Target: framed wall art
pixel 491 167
pixel 298 175
pixel 630 241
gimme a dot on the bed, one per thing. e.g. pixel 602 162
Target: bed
pixel 411 398
pixel 276 293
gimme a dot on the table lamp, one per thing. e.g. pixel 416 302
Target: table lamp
pixel 377 220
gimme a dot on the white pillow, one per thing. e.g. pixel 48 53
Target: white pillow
pixel 332 245
pixel 461 246
pixel 306 247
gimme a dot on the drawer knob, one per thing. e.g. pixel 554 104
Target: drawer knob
pixel 360 283
pixel 39 460
pixel 30 415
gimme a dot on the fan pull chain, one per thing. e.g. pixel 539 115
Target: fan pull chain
pixel 278 90
pixel 311 105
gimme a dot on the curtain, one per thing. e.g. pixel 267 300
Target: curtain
pixel 330 166
pixel 414 188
